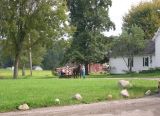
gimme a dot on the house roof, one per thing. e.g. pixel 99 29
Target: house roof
pixel 147 50
pixel 149 47
pixel 156 34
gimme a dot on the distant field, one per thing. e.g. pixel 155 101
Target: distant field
pixel 41 89
pixel 7 74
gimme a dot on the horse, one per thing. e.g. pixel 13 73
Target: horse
pixel 77 71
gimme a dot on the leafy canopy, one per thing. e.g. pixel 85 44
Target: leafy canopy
pixel 90 17
pixel 131 42
pixel 21 19
pixel 146 15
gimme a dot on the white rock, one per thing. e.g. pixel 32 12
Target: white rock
pixel 148 92
pixel 124 84
pixel 125 93
pixel 23 107
pixel 77 96
pixel 109 97
pixel 57 101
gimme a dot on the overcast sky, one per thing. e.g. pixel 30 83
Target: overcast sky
pixel 117 11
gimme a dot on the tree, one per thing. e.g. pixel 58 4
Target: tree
pixel 55 54
pixel 146 15
pixel 38 52
pixel 130 43
pixel 90 17
pixel 20 18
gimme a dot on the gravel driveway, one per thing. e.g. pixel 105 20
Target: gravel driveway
pixel 148 106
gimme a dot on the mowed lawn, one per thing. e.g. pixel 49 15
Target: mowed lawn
pixel 42 89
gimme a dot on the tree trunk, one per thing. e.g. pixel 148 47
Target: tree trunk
pixel 130 64
pixel 16 63
pixel 30 56
pixel 30 62
pixel 86 68
pixel 130 68
pixel 23 70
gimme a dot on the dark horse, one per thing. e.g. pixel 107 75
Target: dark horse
pixel 77 71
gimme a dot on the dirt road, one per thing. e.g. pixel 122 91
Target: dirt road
pixel 148 106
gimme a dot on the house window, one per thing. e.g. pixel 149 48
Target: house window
pixel 146 61
pixel 130 62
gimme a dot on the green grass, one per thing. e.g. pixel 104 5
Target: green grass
pixel 41 90
pixel 131 75
pixel 7 74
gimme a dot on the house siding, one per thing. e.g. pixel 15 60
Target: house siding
pixel 157 50
pixel 119 66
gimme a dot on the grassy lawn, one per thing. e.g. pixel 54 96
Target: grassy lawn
pixel 7 74
pixel 132 75
pixel 41 90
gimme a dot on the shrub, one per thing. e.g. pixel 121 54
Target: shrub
pixel 151 70
pixel 54 73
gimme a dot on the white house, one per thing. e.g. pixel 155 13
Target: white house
pixel 149 59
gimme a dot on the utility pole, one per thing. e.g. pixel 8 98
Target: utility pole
pixel 30 56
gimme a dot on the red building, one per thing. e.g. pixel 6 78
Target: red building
pixel 96 68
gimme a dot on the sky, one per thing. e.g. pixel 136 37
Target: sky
pixel 117 11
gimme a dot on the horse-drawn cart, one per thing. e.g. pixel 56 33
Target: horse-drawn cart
pixel 69 71
pixel 65 71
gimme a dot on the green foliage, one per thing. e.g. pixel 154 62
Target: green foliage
pixel 146 15
pixel 38 21
pixel 90 15
pixel 90 18
pixel 55 55
pixel 151 70
pixel 130 43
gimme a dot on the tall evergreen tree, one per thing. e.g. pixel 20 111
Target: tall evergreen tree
pixel 90 17
pixel 55 55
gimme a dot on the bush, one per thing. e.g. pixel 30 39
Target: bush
pixel 151 70
pixel 54 73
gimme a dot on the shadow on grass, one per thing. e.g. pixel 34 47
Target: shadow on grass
pixel 130 75
pixel 139 89
pixel 5 77
pixel 27 77
pixel 38 77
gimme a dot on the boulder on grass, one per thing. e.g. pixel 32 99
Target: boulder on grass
pixel 109 97
pixel 159 86
pixel 148 92
pixel 23 107
pixel 57 101
pixel 125 93
pixel 124 84
pixel 77 96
